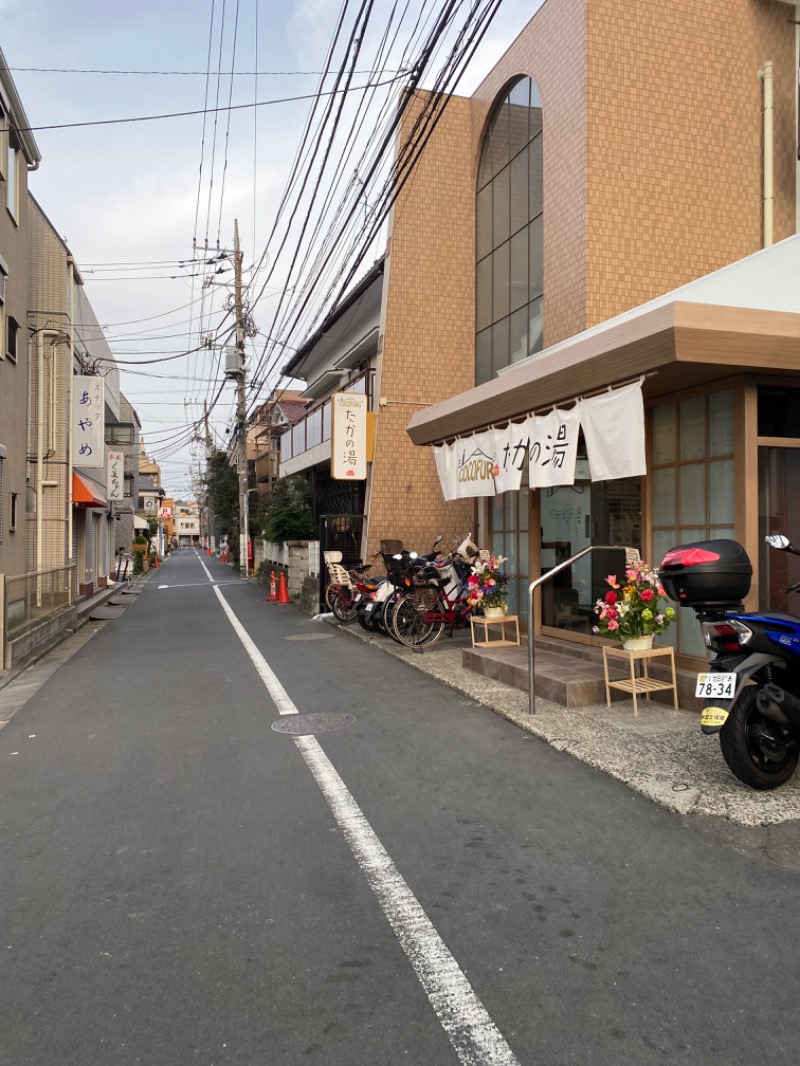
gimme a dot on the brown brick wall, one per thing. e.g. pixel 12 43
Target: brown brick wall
pixel 428 333
pixel 674 134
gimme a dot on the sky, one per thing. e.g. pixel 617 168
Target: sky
pixel 147 206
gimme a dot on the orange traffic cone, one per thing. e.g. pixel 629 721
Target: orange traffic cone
pixel 283 592
pixel 155 562
pixel 273 591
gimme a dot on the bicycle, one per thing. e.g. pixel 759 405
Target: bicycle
pixel 438 600
pixel 341 592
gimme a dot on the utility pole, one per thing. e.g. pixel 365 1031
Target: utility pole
pixel 241 413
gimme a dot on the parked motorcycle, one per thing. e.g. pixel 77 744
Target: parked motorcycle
pixel 751 690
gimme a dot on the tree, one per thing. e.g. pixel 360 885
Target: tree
pixel 287 515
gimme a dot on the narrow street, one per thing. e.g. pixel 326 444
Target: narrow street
pixel 421 882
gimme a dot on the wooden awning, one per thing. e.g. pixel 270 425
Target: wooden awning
pixel 687 344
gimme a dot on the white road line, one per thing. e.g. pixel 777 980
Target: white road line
pixel 273 685
pixel 194 584
pixel 473 1034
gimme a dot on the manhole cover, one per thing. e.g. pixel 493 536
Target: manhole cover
pixel 301 725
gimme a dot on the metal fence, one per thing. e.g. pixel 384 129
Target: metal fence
pixel 29 598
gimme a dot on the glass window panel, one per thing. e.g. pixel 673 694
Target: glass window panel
pixel 535 196
pixel 720 423
pixel 500 207
pixel 500 293
pixel 519 109
pixel 524 511
pixel 483 357
pixel 499 345
pixel 778 411
pixel 693 428
pixel 536 96
pixel 483 294
pixel 536 258
pixel 326 421
pixel 664 434
pixel 500 154
pixel 483 223
pixel 693 494
pixel 518 180
pixel 690 636
pixel 518 285
pixel 535 122
pixel 485 166
pixel 535 326
pixel 298 438
pixel 497 514
pixel 721 491
pixel 314 430
pixel 518 335
pixel 664 498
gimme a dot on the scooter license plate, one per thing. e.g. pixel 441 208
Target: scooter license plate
pixel 369 608
pixel 715 686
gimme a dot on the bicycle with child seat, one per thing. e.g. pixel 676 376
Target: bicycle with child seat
pixel 439 600
pixel 342 594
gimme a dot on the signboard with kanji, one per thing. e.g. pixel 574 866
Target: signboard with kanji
pixel 115 475
pixel 349 436
pixel 88 421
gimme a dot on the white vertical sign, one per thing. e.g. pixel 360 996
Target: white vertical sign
pixel 88 428
pixel 349 436
pixel 115 476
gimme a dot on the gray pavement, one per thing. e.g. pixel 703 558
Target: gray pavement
pixel 661 754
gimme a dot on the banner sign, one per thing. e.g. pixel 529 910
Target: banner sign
pixel 475 465
pixel 115 475
pixel 349 436
pixel 613 427
pixel 88 423
pixel 493 461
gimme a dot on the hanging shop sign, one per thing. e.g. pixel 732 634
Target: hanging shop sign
pixel 493 460
pixel 115 474
pixel 88 423
pixel 349 436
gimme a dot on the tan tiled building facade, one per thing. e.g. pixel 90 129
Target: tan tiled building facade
pixel 652 178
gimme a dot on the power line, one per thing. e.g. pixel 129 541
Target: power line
pixel 211 110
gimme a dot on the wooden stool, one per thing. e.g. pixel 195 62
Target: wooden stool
pixel 643 683
pixel 503 641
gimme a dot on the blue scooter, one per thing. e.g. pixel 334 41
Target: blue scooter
pixel 751 690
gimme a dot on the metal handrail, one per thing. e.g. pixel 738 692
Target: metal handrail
pixel 532 588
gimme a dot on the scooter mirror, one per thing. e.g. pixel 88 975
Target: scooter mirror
pixel 437 539
pixel 777 540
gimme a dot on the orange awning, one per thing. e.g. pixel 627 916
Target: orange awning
pixel 85 493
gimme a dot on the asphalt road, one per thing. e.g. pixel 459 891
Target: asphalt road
pixel 182 884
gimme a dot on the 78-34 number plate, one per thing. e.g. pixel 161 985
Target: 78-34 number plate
pixel 715 686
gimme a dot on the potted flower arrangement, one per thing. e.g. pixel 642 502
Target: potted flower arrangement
pixel 486 587
pixel 633 612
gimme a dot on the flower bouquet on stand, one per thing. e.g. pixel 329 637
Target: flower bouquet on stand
pixel 633 612
pixel 487 588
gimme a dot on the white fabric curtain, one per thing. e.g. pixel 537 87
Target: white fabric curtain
pixel 613 426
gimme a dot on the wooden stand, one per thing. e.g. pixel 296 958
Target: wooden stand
pixel 502 641
pixel 642 683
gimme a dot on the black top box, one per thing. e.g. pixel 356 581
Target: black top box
pixel 706 574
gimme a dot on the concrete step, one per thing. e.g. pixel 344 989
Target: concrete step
pixel 568 674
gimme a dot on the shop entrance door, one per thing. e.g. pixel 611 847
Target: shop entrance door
pixel 575 517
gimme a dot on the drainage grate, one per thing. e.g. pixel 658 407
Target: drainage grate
pixel 301 725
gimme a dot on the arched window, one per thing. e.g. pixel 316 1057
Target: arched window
pixel 509 273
